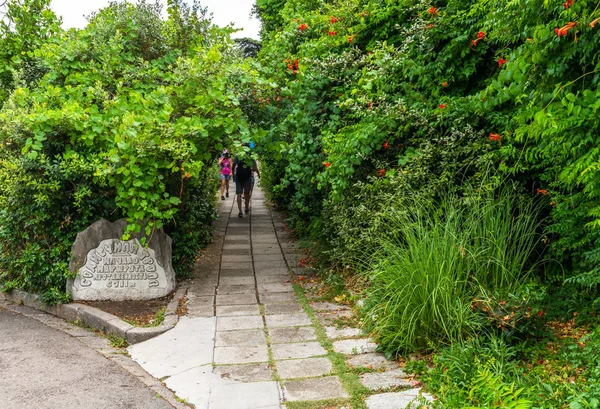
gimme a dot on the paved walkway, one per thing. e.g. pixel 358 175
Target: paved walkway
pixel 246 342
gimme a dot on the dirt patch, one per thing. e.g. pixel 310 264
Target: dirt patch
pixel 139 313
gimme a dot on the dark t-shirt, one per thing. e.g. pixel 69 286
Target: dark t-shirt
pixel 243 172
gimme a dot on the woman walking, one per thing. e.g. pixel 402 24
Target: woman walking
pixel 225 163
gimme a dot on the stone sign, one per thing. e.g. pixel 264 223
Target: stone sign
pixel 120 270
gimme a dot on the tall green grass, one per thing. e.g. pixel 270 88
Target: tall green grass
pixel 435 258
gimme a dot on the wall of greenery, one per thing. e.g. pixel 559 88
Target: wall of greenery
pixel 378 99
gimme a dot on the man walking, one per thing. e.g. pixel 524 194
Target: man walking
pixel 243 174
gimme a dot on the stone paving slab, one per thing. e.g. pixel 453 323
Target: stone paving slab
pixel 261 271
pixel 269 257
pixel 239 323
pixel 334 332
pixel 269 250
pixel 328 318
pixel 292 334
pixel 201 290
pixel 274 298
pixel 287 320
pixel 241 354
pixel 372 360
pixel 232 266
pixel 314 389
pixel 269 264
pixel 195 311
pixel 245 373
pixel 304 368
pixel 236 289
pixel 237 280
pixel 273 278
pixel 203 282
pixel 231 258
pixel 236 273
pixel 194 339
pixel 242 337
pixel 230 248
pixel 240 244
pixel 395 400
pixel 297 350
pixel 255 395
pixel 236 299
pixel 193 385
pixel 237 310
pixel 354 346
pixel 264 244
pixel 383 380
pixel 264 288
pixel 292 308
pixel 198 299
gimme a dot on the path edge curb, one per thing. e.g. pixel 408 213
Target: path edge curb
pixel 101 320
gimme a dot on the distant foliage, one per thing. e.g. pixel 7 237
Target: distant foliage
pixel 25 25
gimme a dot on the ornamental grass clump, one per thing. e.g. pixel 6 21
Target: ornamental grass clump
pixel 436 258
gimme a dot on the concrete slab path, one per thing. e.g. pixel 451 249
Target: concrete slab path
pixel 247 342
pixel 244 324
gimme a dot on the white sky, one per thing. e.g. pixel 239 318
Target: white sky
pixel 224 12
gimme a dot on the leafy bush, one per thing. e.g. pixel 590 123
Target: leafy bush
pixel 366 90
pixel 474 374
pixel 124 122
pixel 485 372
pixel 436 257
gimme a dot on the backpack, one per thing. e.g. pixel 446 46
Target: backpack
pixel 243 171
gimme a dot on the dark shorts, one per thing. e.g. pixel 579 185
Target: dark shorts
pixel 242 186
pixel 225 177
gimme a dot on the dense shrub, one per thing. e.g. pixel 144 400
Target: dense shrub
pixel 435 258
pixel 125 122
pixel 430 92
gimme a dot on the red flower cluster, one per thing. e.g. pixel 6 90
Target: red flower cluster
pixel 333 19
pixel 326 164
pixel 443 106
pixel 331 33
pixel 428 26
pixel 501 62
pixel 480 36
pixel 293 67
pixel 568 4
pixel 494 137
pixel 302 27
pixel 351 39
pixel 432 11
pixel 381 173
pixel 542 192
pixel 386 145
pixel 593 23
pixel 563 31
pixel 445 84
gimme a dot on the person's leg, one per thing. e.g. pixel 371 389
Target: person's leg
pixel 239 189
pixel 251 186
pixel 247 195
pixel 227 186
pixel 222 187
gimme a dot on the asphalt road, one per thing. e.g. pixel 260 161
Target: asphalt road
pixel 44 368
